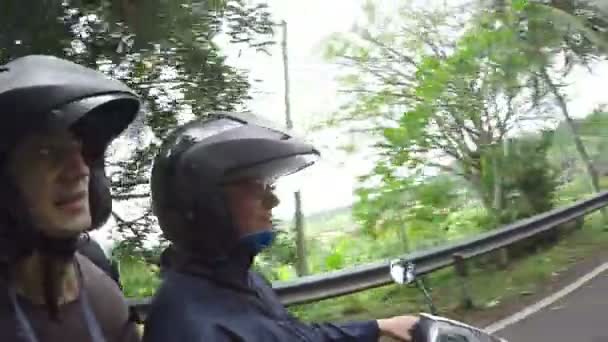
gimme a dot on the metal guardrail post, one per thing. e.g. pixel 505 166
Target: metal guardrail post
pixel 462 271
pixel 503 257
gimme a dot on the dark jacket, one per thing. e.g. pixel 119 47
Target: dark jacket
pixel 231 303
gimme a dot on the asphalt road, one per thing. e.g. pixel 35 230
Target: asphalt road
pixel 581 316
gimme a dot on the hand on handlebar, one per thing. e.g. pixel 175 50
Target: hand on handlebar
pixel 398 327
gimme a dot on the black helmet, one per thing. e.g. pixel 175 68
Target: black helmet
pixel 201 156
pixel 38 92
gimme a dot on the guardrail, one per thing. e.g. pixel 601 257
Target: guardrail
pixel 333 284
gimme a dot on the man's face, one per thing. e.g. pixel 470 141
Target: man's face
pixel 53 178
pixel 251 203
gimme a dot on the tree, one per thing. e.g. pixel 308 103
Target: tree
pixel 170 58
pixel 380 57
pixel 572 30
pixel 531 180
pixel 592 130
pixel 455 108
pixel 581 24
pixel 443 104
pixel 421 208
pixel 414 209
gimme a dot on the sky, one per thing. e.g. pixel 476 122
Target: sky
pixel 314 95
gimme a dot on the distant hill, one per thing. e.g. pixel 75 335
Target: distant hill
pixel 335 219
pixel 328 214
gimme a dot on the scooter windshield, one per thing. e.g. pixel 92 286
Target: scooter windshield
pixel 446 330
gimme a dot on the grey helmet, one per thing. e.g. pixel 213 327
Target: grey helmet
pixel 38 92
pixel 198 158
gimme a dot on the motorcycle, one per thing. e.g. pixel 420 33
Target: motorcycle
pixel 432 327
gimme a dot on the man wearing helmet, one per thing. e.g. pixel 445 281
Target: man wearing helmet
pixel 58 118
pixel 212 193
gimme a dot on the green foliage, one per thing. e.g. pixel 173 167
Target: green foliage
pixel 380 56
pixel 532 181
pixel 595 124
pixel 133 249
pixel 139 278
pixel 279 260
pixel 591 131
pixel 467 222
pixel 336 260
pixel 413 209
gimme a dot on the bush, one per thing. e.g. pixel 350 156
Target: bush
pixel 138 277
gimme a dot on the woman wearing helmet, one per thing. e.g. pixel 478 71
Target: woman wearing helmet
pixel 212 193
pixel 58 118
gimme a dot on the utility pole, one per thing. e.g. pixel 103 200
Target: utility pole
pixel 288 121
pixel 301 264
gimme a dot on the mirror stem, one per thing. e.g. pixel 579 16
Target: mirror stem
pixel 427 296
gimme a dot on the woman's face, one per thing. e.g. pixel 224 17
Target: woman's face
pixel 251 203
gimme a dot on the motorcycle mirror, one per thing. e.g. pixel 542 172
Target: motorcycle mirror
pixel 402 271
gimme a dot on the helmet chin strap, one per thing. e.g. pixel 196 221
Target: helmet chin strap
pixel 63 247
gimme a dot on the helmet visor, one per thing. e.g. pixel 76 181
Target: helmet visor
pixel 110 113
pixel 272 170
pixel 96 120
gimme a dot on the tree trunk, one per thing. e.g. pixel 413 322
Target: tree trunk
pixel 578 142
pixel 497 186
pixel 301 264
pixel 487 199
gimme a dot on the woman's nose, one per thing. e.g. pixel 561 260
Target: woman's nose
pixel 270 199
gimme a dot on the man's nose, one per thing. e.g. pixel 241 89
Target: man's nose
pixel 75 165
